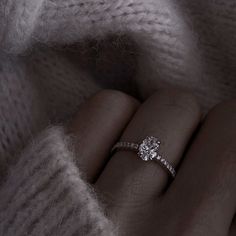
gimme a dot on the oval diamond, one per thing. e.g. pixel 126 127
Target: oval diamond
pixel 148 148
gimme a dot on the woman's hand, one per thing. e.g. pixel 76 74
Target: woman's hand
pixel 140 199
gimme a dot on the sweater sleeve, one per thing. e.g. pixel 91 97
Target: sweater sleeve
pixel 44 194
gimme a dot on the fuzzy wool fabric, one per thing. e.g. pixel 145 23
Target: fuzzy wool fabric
pixel 56 53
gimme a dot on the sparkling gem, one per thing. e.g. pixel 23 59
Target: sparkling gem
pixel 148 148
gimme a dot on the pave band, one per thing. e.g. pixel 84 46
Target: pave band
pixel 147 151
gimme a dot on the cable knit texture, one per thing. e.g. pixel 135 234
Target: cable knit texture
pixel 45 186
pixel 56 53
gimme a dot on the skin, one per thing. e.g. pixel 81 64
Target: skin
pixel 140 197
pixel 102 117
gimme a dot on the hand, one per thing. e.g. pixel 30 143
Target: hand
pixel 140 197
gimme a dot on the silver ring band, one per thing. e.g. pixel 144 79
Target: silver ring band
pixel 147 151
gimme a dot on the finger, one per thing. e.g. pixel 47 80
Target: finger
pixel 97 125
pixel 170 115
pixel 205 189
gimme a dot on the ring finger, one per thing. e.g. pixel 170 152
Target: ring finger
pixel 130 184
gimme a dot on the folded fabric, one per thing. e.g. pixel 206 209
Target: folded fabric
pixel 56 53
pixel 45 195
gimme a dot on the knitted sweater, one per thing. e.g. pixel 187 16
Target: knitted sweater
pixel 56 53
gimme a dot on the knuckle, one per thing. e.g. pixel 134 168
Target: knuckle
pixel 179 99
pixel 115 97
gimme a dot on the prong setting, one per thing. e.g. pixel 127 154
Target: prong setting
pixel 148 148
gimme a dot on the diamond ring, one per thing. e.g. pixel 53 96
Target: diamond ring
pixel 147 151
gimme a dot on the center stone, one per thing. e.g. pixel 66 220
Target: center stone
pixel 148 148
